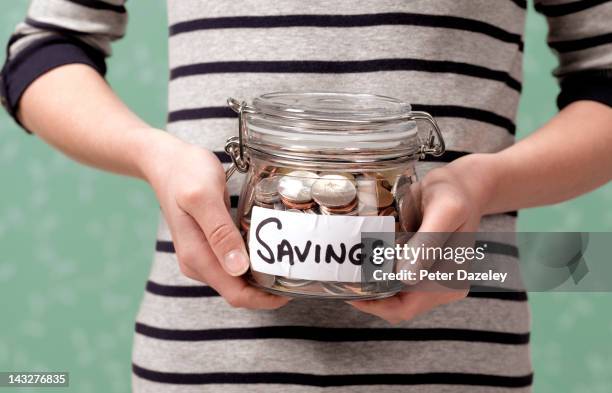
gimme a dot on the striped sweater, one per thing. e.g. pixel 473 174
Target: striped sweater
pixel 457 59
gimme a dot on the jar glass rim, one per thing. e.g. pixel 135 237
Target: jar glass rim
pixel 324 124
pixel 336 107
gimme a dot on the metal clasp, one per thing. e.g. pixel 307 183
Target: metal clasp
pixel 234 146
pixel 434 142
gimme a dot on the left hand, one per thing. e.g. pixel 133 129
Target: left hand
pixel 451 199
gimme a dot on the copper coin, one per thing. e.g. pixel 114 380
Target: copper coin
pixel 333 191
pixel 341 209
pixel 332 213
pixel 380 179
pixel 299 206
pixel 296 186
pixel 372 194
pixel 384 197
pixel 386 184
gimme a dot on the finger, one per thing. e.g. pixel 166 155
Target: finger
pixel 407 305
pixel 198 262
pixel 210 212
pixel 386 309
pixel 443 214
pixel 409 207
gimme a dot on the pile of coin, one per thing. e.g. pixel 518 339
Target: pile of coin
pixel 326 193
pixel 295 189
pixel 336 194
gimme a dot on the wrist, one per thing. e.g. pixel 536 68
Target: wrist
pixel 154 153
pixel 480 175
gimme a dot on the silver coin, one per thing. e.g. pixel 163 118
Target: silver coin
pixel 346 175
pixel 333 191
pixel 296 186
pixel 401 183
pixel 266 190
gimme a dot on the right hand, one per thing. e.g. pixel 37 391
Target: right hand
pixel 190 185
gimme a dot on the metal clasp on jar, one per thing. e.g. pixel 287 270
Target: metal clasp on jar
pixel 234 146
pixel 433 144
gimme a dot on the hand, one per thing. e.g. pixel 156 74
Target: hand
pixel 190 186
pixel 451 199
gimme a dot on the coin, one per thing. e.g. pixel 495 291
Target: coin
pixel 366 195
pixel 367 210
pixel 401 184
pixel 384 197
pixel 333 191
pixel 346 175
pixel 374 195
pixel 346 210
pixel 385 183
pixel 266 190
pixel 245 225
pixel 297 206
pixel 295 187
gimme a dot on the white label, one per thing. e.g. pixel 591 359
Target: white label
pixel 311 246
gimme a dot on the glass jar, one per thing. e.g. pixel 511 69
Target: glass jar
pixel 327 175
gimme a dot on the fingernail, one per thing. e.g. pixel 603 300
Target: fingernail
pixel 236 262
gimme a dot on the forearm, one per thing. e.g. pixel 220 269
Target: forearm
pixel 74 109
pixel 567 157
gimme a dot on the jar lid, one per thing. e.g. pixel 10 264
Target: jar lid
pixel 331 126
pixel 333 107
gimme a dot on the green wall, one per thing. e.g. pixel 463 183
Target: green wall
pixel 76 243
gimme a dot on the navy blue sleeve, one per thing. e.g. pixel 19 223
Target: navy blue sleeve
pixel 587 85
pixel 580 34
pixel 38 58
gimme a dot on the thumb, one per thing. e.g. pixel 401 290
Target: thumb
pixel 222 235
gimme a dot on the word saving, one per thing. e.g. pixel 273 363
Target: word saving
pixel 285 249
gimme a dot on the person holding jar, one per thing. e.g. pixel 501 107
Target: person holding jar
pixel 201 326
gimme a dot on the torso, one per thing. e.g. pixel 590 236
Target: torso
pixel 466 74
